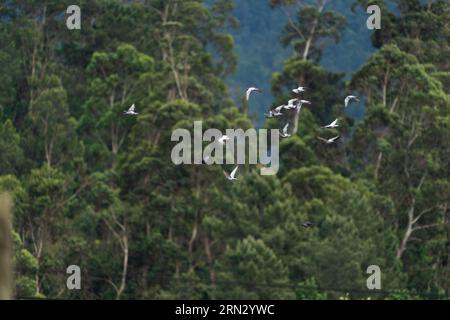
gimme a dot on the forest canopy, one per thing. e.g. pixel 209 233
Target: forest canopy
pixel 91 187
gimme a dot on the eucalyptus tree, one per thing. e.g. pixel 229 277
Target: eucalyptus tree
pixel 308 31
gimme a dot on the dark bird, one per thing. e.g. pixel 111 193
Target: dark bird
pixel 308 224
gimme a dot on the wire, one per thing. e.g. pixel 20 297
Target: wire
pixel 320 289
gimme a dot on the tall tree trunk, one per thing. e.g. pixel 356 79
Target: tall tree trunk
pixel 207 246
pixel 297 112
pixel 5 248
pixel 296 118
pixel 123 280
pixel 312 33
pixel 385 86
pixel 122 237
pixel 196 220
pixel 408 231
pixel 168 53
pixel 38 254
pixel 193 237
pixel 376 171
pixel 414 219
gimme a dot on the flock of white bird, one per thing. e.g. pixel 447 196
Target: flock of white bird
pixel 295 103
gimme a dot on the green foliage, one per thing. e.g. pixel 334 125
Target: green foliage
pixel 256 270
pixel 51 126
pixel 311 27
pixel 308 291
pixel 25 267
pixel 12 155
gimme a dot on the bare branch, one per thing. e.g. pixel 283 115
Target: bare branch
pixel 292 23
pixel 420 215
pixel 431 225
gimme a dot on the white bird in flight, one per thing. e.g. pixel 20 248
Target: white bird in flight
pixel 299 90
pixel 292 104
pixel 270 114
pixel 349 99
pixel 285 133
pixel 277 111
pixel 250 90
pixel 328 141
pixel 232 175
pixel 223 139
pixel 304 102
pixel 334 124
pixel 131 111
pixel 301 103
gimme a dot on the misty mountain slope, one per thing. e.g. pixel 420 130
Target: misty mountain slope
pixel 260 52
